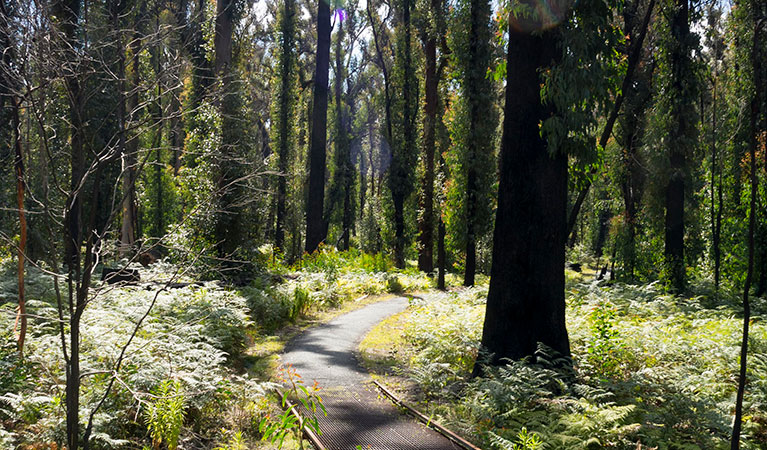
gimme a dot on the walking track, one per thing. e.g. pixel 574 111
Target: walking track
pixel 357 414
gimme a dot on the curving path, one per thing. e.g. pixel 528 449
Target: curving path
pixel 357 414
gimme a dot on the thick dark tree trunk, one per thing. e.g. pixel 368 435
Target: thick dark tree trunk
pixel 315 226
pixel 526 300
pixel 426 217
pixel 681 72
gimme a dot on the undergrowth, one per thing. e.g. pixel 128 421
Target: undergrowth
pixel 650 371
pixel 186 381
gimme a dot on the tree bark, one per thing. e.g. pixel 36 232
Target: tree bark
pixel 526 302
pixel 716 212
pixel 315 226
pixel 426 218
pixel 68 14
pixel 286 66
pixel 21 319
pixel 398 172
pixel 681 73
pixel 756 61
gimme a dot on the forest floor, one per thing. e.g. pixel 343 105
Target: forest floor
pixel 650 369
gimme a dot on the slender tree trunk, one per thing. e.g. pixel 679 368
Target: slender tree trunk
pixel 738 421
pixel 716 212
pixel 68 14
pixel 19 169
pixel 426 218
pixel 315 226
pixel 398 171
pixel 526 302
pixel 287 29
pixel 681 72
pixel 441 257
pixel 129 224
pixel 385 72
pixel 633 61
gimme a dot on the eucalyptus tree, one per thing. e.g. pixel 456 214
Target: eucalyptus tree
pixel 473 159
pixel 404 115
pixel 316 227
pixel 551 110
pixel 432 33
pixel 525 301
pixel 284 105
pixel 681 138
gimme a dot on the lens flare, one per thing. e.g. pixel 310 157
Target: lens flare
pixel 537 15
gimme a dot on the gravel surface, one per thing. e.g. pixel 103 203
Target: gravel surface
pixel 357 413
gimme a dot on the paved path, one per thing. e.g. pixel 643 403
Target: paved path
pixel 357 414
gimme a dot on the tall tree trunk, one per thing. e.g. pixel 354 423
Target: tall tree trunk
pixel 526 299
pixel 286 67
pixel 315 226
pixel 681 74
pixel 68 14
pixel 753 142
pixel 426 217
pixel 19 169
pixel 129 224
pixel 398 175
pixel 229 227
pixel 478 162
pixel 716 211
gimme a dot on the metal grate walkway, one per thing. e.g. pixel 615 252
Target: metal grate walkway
pixel 357 413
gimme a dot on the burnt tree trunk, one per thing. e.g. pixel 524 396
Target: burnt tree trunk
pixel 283 146
pixel 681 73
pixel 315 227
pixel 526 299
pixel 426 217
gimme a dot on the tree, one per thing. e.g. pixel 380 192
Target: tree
pixel 403 141
pixel 474 127
pixel 680 141
pixel 525 302
pixel 229 227
pixel 342 183
pixel 285 104
pixel 758 16
pixel 315 224
pixel 433 32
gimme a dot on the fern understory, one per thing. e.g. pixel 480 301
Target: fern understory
pixel 196 374
pixel 650 371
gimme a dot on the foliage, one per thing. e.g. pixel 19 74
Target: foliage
pixel 289 421
pixel 165 414
pixel 644 371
